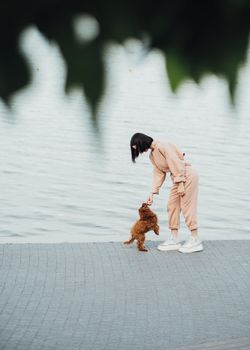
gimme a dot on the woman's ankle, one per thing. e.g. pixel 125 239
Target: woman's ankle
pixel 175 233
pixel 194 233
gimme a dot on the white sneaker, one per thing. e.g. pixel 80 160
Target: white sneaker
pixel 171 244
pixel 192 245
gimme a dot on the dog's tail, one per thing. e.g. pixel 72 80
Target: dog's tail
pixel 129 241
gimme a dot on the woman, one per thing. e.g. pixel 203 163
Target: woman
pixel 166 157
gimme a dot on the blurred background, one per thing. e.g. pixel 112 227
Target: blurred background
pixel 64 180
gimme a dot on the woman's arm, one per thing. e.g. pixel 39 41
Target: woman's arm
pixel 158 179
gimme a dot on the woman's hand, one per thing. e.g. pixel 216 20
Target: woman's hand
pixel 181 189
pixel 149 201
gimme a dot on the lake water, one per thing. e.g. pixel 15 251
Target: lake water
pixel 61 181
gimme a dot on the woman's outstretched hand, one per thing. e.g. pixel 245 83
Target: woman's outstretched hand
pixel 149 201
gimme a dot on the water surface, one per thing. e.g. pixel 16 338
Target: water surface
pixel 60 181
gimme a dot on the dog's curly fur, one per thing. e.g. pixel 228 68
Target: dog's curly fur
pixel 148 221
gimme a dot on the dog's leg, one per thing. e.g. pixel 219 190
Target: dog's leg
pixel 129 241
pixel 140 243
pixel 157 229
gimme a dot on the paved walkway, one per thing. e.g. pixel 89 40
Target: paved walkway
pixel 110 296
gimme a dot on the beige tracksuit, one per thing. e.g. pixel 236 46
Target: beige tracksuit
pixel 166 157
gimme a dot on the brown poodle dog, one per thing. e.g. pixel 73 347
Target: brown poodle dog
pixel 148 221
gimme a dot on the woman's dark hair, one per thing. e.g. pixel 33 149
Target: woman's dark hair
pixel 142 143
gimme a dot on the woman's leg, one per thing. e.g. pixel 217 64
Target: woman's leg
pixel 189 202
pixel 174 210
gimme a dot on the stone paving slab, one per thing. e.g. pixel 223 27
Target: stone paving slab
pixel 107 296
pixel 231 344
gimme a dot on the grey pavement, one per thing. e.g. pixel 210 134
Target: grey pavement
pixel 110 296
